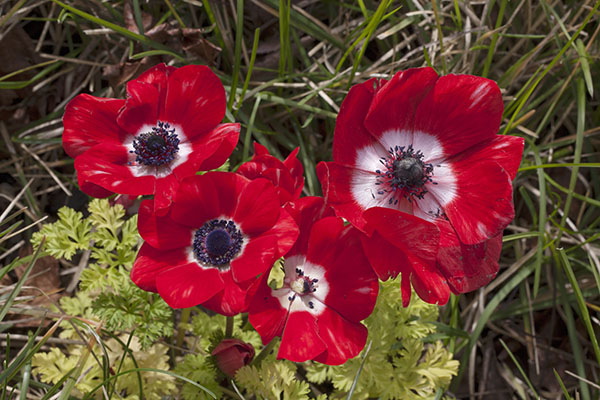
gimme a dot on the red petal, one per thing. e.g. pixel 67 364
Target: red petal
pixel 324 235
pixel 141 107
pixel 414 236
pixel 395 103
pixel 226 135
pixel 482 206
pixel 353 286
pixel 195 100
pixel 465 267
pixel 386 259
pixel 165 189
pixel 460 111
pixel 92 189
pixel 204 197
pixel 295 167
pixel 162 232
pixel 88 121
pixel 150 262
pixel 305 212
pixel 157 76
pixel 350 132
pixel 335 180
pixel 266 314
pixel 257 257
pixel 507 151
pixel 429 284
pixel 285 233
pixel 300 341
pixel 258 207
pixel 260 150
pixel 231 300
pixel 344 339
pixel 106 165
pixel 188 285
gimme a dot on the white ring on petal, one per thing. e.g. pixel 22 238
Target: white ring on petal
pixel 363 184
pixel 446 188
pixel 300 302
pixel 182 155
pixel 430 146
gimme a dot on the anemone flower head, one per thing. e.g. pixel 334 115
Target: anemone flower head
pixel 419 167
pixel 328 289
pixel 286 175
pixel 221 232
pixel 168 128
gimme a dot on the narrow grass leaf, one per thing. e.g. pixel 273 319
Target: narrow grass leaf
pixel 514 359
pixel 585 315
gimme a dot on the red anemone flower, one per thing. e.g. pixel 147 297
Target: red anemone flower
pixel 222 231
pixel 167 129
pixel 423 147
pixel 328 289
pixel 287 176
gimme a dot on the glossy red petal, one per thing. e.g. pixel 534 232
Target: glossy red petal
pixel 106 165
pixel 150 262
pixel 162 232
pixel 232 300
pixel 284 232
pixel 157 76
pixel 204 197
pixel 353 285
pixel 226 135
pixel 344 339
pixel 92 189
pixel 266 314
pixel 350 132
pixel 165 189
pixel 257 257
pixel 414 236
pixel 324 235
pixel 467 267
pixel 386 259
pixel 195 100
pixel 306 211
pixel 188 285
pixel 296 170
pixel 430 284
pixel 300 341
pixel 483 204
pixel 395 103
pixel 141 108
pixel 88 121
pixel 258 207
pixel 460 111
pixel 260 150
pixel 507 151
pixel 336 180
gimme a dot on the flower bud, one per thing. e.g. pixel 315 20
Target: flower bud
pixel 232 354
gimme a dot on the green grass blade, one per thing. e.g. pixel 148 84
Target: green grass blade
pixel 237 57
pixel 13 294
pixel 516 362
pixel 583 310
pixel 119 29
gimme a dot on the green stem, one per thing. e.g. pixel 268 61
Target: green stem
pixel 263 353
pixel 228 327
pixel 185 317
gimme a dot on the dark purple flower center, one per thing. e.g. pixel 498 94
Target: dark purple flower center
pixel 217 242
pixel 404 174
pixel 157 147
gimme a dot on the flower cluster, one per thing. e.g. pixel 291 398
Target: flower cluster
pixel 419 186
